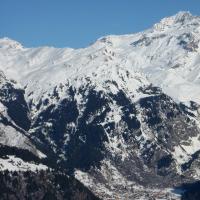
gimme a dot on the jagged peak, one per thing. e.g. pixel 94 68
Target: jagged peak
pixel 8 43
pixel 182 16
pixel 179 18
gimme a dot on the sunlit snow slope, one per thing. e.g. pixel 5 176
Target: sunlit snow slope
pixel 166 54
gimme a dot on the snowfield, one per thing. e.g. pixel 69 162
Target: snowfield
pixel 167 55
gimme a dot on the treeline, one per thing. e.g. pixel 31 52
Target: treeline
pixel 42 185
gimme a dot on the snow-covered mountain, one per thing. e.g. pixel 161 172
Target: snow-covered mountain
pixel 122 115
pixel 167 54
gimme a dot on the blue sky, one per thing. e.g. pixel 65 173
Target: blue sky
pixel 77 23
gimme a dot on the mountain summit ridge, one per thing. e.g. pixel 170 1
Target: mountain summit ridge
pixel 168 58
pixel 180 16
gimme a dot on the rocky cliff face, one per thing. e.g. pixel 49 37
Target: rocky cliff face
pixel 27 173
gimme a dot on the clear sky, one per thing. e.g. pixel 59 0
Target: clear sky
pixel 77 23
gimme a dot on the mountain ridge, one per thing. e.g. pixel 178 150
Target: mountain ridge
pixel 142 52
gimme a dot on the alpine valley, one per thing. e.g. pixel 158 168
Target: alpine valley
pixel 119 119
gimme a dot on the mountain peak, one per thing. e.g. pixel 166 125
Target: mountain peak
pixel 180 18
pixel 7 43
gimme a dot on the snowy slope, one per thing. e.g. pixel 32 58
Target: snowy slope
pixel 167 54
pixel 16 164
